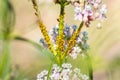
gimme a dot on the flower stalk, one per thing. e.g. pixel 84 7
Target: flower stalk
pixel 43 28
pixel 72 40
pixel 60 37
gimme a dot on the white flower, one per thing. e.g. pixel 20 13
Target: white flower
pixel 75 77
pixel 42 75
pixel 76 70
pixel 103 12
pixel 76 50
pixel 84 77
pixel 78 9
pixel 65 77
pixel 98 1
pixel 96 5
pixel 66 65
pixel 73 55
pixel 55 76
pixel 78 13
pixel 63 73
pixel 56 68
pixel 88 12
pixel 51 32
pixel 79 40
pixel 85 18
pixel 66 72
pixel 88 7
pixel 78 16
pixel 90 1
pixel 103 9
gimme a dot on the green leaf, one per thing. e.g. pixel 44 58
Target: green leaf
pixel 7 17
pixel 42 50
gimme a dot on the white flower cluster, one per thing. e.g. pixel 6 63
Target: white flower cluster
pixel 90 10
pixel 42 75
pixel 76 50
pixel 65 72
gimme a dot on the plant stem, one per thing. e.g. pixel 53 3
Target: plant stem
pixel 5 60
pixel 72 40
pixel 90 67
pixel 60 37
pixel 43 28
pixel 49 72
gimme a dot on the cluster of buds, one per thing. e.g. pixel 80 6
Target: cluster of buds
pixel 66 72
pixel 89 10
pixel 81 40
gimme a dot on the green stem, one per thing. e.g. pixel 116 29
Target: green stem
pixel 60 37
pixel 61 23
pixel 90 67
pixel 49 72
pixel 5 59
pixel 62 8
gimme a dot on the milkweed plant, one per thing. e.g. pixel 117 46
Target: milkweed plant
pixel 65 41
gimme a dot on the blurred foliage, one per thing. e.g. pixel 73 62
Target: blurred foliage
pixel 114 67
pixel 7 20
pixel 100 40
pixel 7 17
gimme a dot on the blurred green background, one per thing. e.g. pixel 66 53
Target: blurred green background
pixel 27 61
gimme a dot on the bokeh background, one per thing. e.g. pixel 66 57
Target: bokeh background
pixel 104 42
